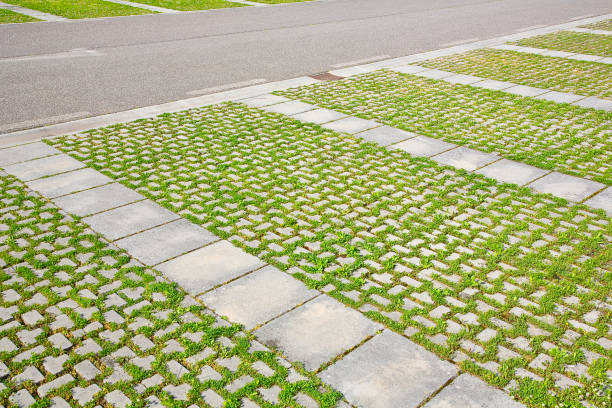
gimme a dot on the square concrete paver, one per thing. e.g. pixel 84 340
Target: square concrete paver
pixel 467 391
pixel 524 90
pixel 435 74
pixel 493 84
pixel 410 69
pixel 569 187
pixel 388 371
pixel 385 135
pixel 67 183
pixel 316 332
pixel 509 171
pixel 258 297
pixel 201 270
pixel 46 166
pixel 560 97
pixel 166 241
pixel 351 125
pixel 25 152
pixel 602 200
pixel 97 199
pixel 264 100
pixel 423 146
pixel 594 103
pixel 319 116
pixel 464 158
pixel 129 219
pixel 462 79
pixel 290 108
pixel 554 53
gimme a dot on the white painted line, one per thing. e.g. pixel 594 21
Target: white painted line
pixel 32 13
pixel 76 53
pixel 11 127
pixel 360 61
pixel 144 6
pixel 226 87
pixel 534 27
pixel 459 42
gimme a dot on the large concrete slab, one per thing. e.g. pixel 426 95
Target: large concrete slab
pixel 201 270
pixel 166 241
pixel 388 371
pixel 569 187
pixel 509 171
pixel 264 100
pixel 46 166
pixel 524 90
pixel 351 125
pixel 289 108
pixel 493 84
pixel 319 116
pixel 560 97
pixel 258 297
pixel 97 199
pixel 464 158
pixel 129 219
pixel 467 391
pixel 602 200
pixel 594 103
pixel 423 146
pixel 67 183
pixel 25 152
pixel 385 135
pixel 316 332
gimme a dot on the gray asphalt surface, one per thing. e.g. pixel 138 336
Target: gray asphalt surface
pixel 127 62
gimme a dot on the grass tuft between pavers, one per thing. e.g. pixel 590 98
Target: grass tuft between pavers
pixel 544 134
pixel 513 286
pixel 83 324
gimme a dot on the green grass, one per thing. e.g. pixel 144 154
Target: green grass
pixel 548 135
pixel 558 74
pixel 602 25
pixel 7 17
pixel 52 264
pixel 582 43
pixel 187 5
pixel 79 8
pixel 279 1
pixel 432 252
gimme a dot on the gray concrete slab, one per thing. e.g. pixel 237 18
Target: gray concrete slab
pixel 423 146
pixel 555 53
pixel 602 200
pixel 129 219
pixel 594 103
pixel 569 187
pixel 465 158
pixel 467 391
pixel 316 332
pixel 351 125
pixel 585 57
pixel 97 199
pixel 388 371
pixel 560 97
pixel 410 69
pixel 67 183
pixel 264 100
pixel 258 297
pixel 46 166
pixel 435 74
pixel 463 79
pixel 509 171
pixel 494 85
pixel 25 152
pixel 289 108
pixel 207 267
pixel 319 116
pixel 523 90
pixel 166 241
pixel 385 135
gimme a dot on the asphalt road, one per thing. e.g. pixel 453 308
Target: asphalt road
pixel 58 71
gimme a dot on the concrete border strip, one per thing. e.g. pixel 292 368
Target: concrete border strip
pixel 248 3
pixel 590 31
pixel 30 135
pixel 32 13
pixel 145 6
pixel 554 53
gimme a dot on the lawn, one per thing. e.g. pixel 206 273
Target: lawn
pixel 188 5
pixel 7 17
pixel 79 8
pixel 504 282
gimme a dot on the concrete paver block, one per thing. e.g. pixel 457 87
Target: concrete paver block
pixel 201 270
pixel 67 183
pixel 602 200
pixel 25 152
pixel 385 135
pixel 509 171
pixel 319 116
pixel 97 199
pixel 290 107
pixel 423 146
pixel 264 100
pixel 46 166
pixel 569 187
pixel 351 125
pixel 258 297
pixel 465 158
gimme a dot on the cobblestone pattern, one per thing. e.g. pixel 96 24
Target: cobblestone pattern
pixel 83 325
pixel 601 25
pixel 583 43
pixel 557 74
pixel 511 285
pixel 544 134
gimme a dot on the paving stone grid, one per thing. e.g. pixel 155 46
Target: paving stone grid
pixel 556 257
